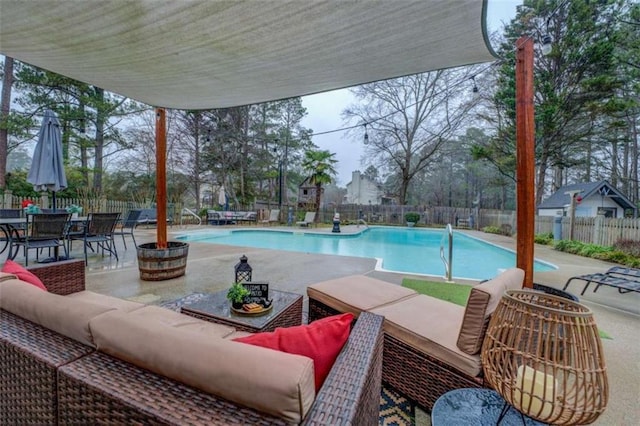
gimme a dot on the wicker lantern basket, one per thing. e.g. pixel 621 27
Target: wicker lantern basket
pixel 543 354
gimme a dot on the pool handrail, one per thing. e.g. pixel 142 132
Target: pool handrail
pixel 190 212
pixel 448 231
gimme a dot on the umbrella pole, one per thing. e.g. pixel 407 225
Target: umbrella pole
pixel 161 177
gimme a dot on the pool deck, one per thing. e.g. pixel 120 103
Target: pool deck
pixel 210 268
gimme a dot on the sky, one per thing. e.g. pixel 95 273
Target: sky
pixel 324 109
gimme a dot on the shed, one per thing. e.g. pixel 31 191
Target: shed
pixel 596 198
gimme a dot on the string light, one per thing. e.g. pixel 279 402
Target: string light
pixel 547 45
pixel 547 41
pixel 475 87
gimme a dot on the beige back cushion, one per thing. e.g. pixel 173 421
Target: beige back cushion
pixel 104 300
pixel 483 300
pixel 67 316
pixel 269 381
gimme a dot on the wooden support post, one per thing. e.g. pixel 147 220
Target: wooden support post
pixel 161 177
pixel 525 158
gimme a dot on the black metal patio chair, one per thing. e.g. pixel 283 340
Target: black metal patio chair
pixel 100 230
pixel 128 225
pixel 6 229
pixel 43 230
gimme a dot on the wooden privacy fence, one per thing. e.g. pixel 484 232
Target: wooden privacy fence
pixel 600 230
pixel 92 205
pixel 432 216
pixel 597 230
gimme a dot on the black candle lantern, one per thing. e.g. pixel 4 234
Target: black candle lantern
pixel 243 270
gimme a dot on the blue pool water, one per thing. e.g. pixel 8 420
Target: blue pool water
pixel 408 250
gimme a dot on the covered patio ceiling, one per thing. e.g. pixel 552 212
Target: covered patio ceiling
pixel 201 54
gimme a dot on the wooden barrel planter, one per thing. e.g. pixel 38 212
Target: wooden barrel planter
pixel 157 264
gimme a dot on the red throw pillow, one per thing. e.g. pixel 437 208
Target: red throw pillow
pixel 11 267
pixel 322 341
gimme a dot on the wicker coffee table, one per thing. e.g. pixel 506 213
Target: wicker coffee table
pixel 286 312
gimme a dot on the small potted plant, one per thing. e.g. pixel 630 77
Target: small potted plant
pixel 411 218
pixel 30 207
pixel 75 210
pixel 236 295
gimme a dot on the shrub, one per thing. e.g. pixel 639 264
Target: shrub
pixel 591 250
pixel 492 230
pixel 631 247
pixel 609 254
pixel 546 239
pixel 412 217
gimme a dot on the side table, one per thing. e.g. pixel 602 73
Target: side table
pixel 476 407
pixel 286 312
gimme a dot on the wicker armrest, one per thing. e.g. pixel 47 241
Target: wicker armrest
pixel 63 278
pixel 351 392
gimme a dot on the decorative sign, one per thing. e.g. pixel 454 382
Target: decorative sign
pixel 258 291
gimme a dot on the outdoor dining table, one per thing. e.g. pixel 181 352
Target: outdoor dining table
pixel 10 226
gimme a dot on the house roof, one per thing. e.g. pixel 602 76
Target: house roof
pixel 561 199
pixel 201 54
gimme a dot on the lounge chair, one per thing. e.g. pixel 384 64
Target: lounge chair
pixel 624 279
pixel 309 218
pixel 274 217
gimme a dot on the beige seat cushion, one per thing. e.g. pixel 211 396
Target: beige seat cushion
pixel 104 300
pixel 483 300
pixel 430 326
pixel 6 276
pixel 270 381
pixel 65 315
pixel 357 293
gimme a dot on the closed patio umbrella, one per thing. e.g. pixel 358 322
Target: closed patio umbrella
pixel 222 198
pixel 47 168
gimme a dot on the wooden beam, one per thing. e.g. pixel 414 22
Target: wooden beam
pixel 525 158
pixel 161 177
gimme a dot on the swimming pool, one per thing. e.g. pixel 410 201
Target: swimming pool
pixel 409 250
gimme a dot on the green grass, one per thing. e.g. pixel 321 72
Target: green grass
pixel 454 293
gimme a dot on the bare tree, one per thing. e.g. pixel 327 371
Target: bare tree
pixel 409 119
pixel 5 102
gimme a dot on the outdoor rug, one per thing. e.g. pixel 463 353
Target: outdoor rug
pixel 395 409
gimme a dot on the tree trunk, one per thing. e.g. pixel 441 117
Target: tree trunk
pixel 318 199
pixel 99 143
pixel 5 108
pixel 635 183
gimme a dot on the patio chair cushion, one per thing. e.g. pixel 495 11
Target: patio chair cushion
pixel 430 325
pixel 322 341
pixel 270 381
pixel 357 293
pixel 22 274
pixel 62 314
pixel 483 300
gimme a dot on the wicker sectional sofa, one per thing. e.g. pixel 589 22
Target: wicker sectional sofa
pixel 71 356
pixel 430 346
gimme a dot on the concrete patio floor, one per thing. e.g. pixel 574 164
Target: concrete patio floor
pixel 210 268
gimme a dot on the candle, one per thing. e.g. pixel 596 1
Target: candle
pixel 535 392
